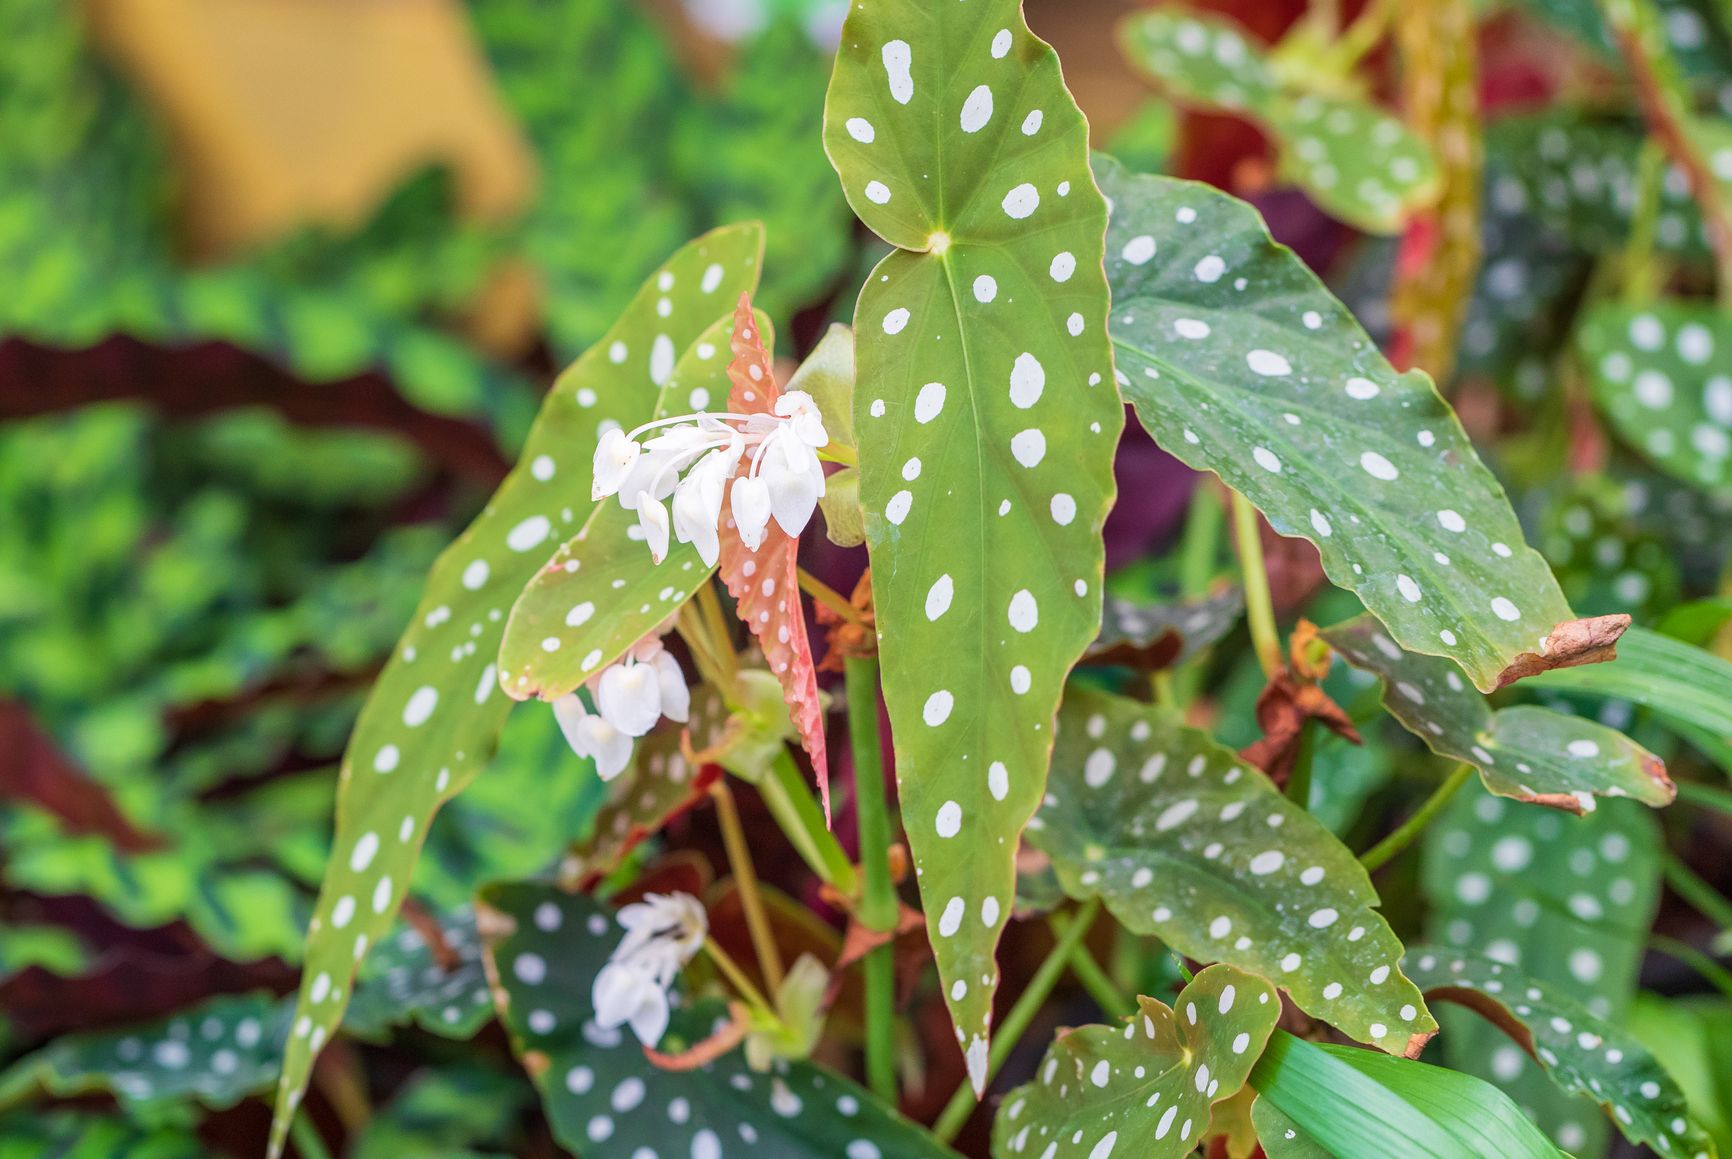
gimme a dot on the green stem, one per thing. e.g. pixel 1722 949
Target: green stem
pixel 1637 260
pixel 1362 35
pixel 1094 979
pixel 1703 898
pixel 306 1138
pixel 1259 605
pixel 1199 555
pixel 746 881
pixel 1015 1024
pixel 828 596
pixel 731 971
pixel 801 818
pixel 1374 858
pixel 1713 972
pixel 878 908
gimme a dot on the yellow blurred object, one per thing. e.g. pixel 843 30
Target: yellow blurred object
pixel 290 113
pixel 505 317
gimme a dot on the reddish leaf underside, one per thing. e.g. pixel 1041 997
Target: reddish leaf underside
pixel 765 583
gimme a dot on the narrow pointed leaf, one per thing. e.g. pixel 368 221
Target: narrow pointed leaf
pixel 765 583
pixel 602 591
pixel 1582 1054
pixel 1356 1104
pixel 434 715
pixel 216 1053
pixel 986 435
pixel 605 1100
pixel 1186 842
pixel 1280 1137
pixel 1357 162
pixel 1238 361
pixel 1525 752
pixel 1150 1083
pixel 1663 374
pixel 405 980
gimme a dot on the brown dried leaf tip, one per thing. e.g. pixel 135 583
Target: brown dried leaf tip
pixel 1292 697
pixel 1572 643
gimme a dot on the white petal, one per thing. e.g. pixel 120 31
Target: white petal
pixel 606 745
pixel 751 507
pixel 805 418
pixel 617 993
pixel 653 518
pixel 614 457
pixel 629 698
pixel 793 475
pixel 570 712
pixel 650 1021
pixel 676 697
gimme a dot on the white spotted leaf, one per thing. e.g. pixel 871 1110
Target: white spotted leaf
pixel 986 420
pixel 1153 636
pixel 434 716
pixel 602 591
pixel 405 980
pixel 1356 162
pixel 1149 1084
pixel 1581 1054
pixel 1525 751
pixel 1186 842
pixel 605 1100
pixel 1240 362
pixel 1564 899
pixel 216 1053
pixel 1663 374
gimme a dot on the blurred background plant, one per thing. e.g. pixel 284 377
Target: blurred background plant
pixel 280 300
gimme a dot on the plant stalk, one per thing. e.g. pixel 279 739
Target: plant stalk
pixel 829 597
pixel 1410 829
pixel 1015 1024
pixel 1100 986
pixel 878 908
pixel 1702 897
pixel 1259 605
pixel 801 819
pixel 737 977
pixel 746 880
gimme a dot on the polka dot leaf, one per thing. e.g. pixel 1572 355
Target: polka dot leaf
pixel 986 423
pixel 1582 1054
pixel 1240 362
pixel 1153 636
pixel 1525 752
pixel 1662 373
pixel 1149 1084
pixel 1356 162
pixel 434 715
pixel 602 591
pixel 1186 842
pixel 605 1100
pixel 1562 899
pixel 216 1053
pixel 405 980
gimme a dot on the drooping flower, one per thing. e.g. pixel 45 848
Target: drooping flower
pixel 662 933
pixel 782 478
pixel 630 696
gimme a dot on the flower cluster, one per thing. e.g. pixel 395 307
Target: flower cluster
pixel 783 478
pixel 630 696
pixel 662 933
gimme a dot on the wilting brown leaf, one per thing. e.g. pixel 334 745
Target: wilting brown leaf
pixel 1569 645
pixel 1292 697
pixel 33 769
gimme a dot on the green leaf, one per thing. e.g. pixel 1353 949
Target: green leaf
pixel 442 1114
pixel 72 1135
pixel 1281 1137
pixel 1692 1037
pixel 1582 1054
pixel 1663 374
pixel 1687 687
pixel 405 980
pixel 1524 752
pixel 1566 900
pixel 1356 1104
pixel 606 1100
pixel 1188 843
pixel 986 436
pixel 1151 1082
pixel 1355 161
pixel 602 592
pixel 1238 361
pixel 216 1053
pixel 434 715
pixel 1162 635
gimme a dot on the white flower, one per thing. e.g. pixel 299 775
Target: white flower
pixel 593 736
pixel 783 479
pixel 630 696
pixel 662 933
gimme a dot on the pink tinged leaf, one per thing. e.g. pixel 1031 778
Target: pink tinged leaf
pixel 765 583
